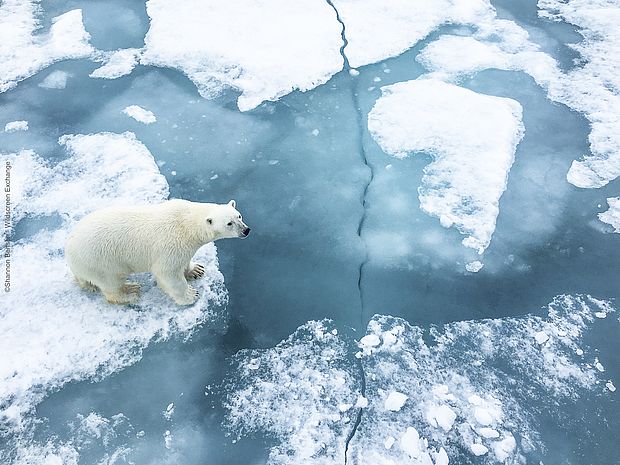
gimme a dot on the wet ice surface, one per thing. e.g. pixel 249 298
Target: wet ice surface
pixel 431 352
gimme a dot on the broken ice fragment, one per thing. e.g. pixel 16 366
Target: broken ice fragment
pixel 541 337
pixel 474 267
pixel 16 126
pixel 395 401
pixel 478 449
pixel 140 114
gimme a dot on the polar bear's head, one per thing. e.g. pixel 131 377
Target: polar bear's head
pixel 224 221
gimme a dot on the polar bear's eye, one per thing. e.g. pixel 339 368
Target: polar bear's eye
pixel 230 224
pixel 209 220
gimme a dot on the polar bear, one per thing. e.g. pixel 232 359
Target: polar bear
pixel 109 244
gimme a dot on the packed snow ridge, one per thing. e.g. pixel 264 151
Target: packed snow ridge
pixel 472 138
pixel 24 53
pixel 102 169
pixel 470 393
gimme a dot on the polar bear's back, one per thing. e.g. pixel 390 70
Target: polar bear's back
pixel 120 239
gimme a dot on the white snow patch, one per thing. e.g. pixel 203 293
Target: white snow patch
pixel 117 63
pixel 55 80
pixel 395 401
pixel 262 49
pixel 24 53
pixel 14 126
pixel 472 138
pixel 361 402
pixel 441 416
pixel 140 114
pixel 612 215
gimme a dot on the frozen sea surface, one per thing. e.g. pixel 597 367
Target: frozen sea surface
pixel 432 274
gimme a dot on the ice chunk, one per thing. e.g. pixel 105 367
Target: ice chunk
pixel 169 411
pixel 610 386
pixel 296 46
pixel 441 458
pixel 389 442
pixel 541 337
pixel 22 53
pixel 472 138
pixel 505 448
pixel 488 433
pixel 55 80
pixel 410 442
pixel 16 126
pixel 140 114
pixel 117 63
pixel 478 449
pixel 474 267
pixel 168 439
pixel 441 416
pixel 395 401
pixel 612 215
pixel 361 402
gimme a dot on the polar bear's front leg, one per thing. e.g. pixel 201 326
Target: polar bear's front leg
pixel 194 271
pixel 175 285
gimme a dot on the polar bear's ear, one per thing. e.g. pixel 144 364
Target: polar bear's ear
pixel 233 204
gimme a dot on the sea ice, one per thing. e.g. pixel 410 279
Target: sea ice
pixel 55 80
pixel 140 114
pixel 24 53
pixel 478 449
pixel 612 215
pixel 474 267
pixel 264 50
pixel 14 126
pixel 117 63
pixel 395 401
pixel 284 398
pixel 472 138
pixel 102 169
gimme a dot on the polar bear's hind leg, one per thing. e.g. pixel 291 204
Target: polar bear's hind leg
pixel 117 291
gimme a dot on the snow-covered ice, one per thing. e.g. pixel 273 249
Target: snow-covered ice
pixel 14 126
pixel 612 215
pixel 472 138
pixel 117 63
pixel 297 45
pixel 140 114
pixel 24 52
pixel 394 401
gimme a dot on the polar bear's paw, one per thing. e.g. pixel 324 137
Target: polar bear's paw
pixel 87 285
pixel 129 293
pixel 195 271
pixel 191 295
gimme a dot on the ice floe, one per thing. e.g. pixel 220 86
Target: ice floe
pixel 469 392
pixel 591 87
pixel 24 53
pixel 295 394
pixel 264 50
pixel 472 138
pixel 379 30
pixel 612 215
pixel 117 63
pixel 14 126
pixel 72 334
pixel 140 114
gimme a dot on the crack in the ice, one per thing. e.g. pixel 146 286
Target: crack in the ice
pixel 362 151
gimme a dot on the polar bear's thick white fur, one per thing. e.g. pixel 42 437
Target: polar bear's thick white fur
pixel 108 245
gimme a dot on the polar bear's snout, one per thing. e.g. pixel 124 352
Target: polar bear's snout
pixel 246 232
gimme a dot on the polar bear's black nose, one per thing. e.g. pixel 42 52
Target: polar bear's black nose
pixel 246 231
